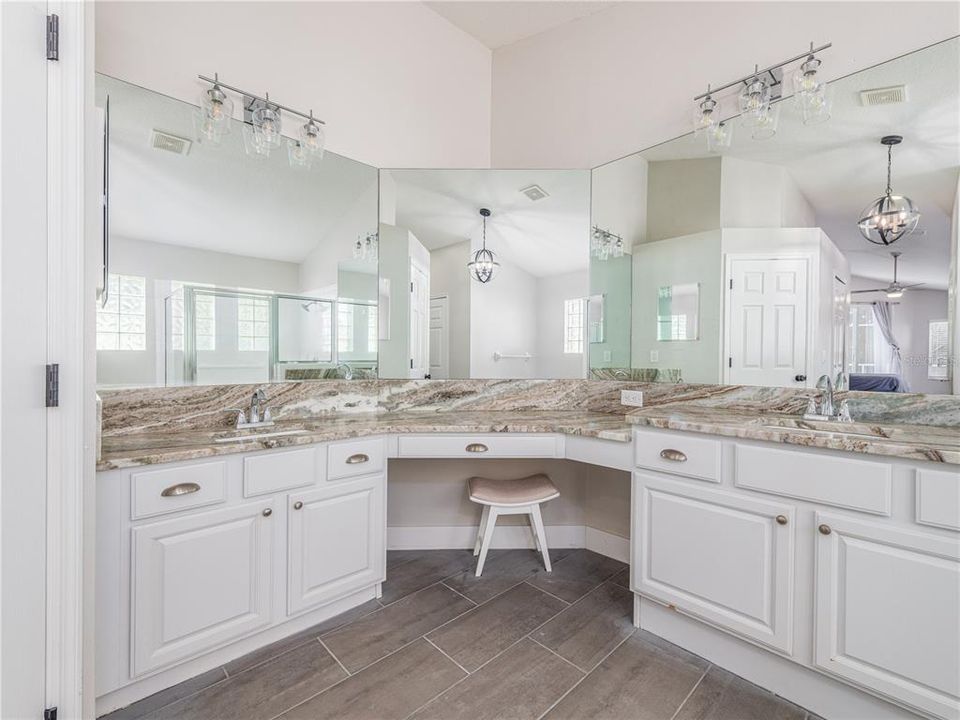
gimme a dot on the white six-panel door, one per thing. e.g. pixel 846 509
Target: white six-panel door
pixel 335 541
pixel 419 321
pixel 716 555
pixel 888 611
pixel 767 332
pixel 200 581
pixel 439 338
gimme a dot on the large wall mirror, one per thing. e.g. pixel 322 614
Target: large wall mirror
pixel 229 266
pixel 526 313
pixel 741 262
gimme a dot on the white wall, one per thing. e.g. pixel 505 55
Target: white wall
pixel 449 276
pixel 552 291
pixel 397 84
pixel 621 80
pixel 503 317
pixel 756 194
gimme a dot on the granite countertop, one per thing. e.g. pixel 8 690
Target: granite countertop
pixel 151 448
pixel 909 442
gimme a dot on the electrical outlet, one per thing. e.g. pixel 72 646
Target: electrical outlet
pixel 633 398
pixel 654 356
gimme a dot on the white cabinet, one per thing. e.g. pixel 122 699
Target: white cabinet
pixel 717 555
pixel 335 541
pixel 888 611
pixel 199 581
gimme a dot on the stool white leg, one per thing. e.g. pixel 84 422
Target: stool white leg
pixel 533 530
pixel 484 515
pixel 538 524
pixel 487 537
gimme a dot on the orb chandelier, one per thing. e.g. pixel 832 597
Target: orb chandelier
pixel 483 264
pixel 889 217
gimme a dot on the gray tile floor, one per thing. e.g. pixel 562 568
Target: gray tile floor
pixel 516 643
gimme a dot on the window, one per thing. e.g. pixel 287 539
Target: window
pixel 253 324
pixel 205 320
pixel 573 325
pixel 863 340
pixel 373 329
pixel 344 328
pixel 122 322
pixel 938 351
pixel 174 312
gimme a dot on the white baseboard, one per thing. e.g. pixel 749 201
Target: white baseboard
pixel 604 543
pixel 506 537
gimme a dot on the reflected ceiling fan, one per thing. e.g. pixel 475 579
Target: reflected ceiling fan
pixel 895 289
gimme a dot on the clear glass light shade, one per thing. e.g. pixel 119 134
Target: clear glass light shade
pixel 483 265
pixel 312 138
pixel 211 121
pixel 255 143
pixel 706 116
pixel 813 96
pixel 888 218
pixel 297 154
pixel 720 137
pixel 266 121
pixel 764 126
pixel 754 100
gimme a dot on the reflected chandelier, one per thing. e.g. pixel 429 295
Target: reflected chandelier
pixel 483 264
pixel 889 217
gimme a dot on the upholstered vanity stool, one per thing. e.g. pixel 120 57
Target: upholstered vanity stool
pixel 521 496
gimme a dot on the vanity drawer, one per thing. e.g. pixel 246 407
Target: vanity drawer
pixel 157 492
pixel 272 472
pixel 497 446
pixel 356 457
pixel 863 485
pixel 938 498
pixel 678 453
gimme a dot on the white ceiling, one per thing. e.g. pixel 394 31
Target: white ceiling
pixel 219 198
pixel 503 22
pixel 840 165
pixel 546 237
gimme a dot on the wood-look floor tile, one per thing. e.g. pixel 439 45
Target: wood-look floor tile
pixel 577 574
pixel 503 570
pixel 641 680
pixel 474 638
pixel 262 692
pixel 587 631
pixel 520 684
pixel 167 696
pixel 297 639
pixel 390 689
pixel 721 695
pixel 380 633
pixel 429 567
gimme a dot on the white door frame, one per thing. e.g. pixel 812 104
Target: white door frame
pixel 812 284
pixel 444 301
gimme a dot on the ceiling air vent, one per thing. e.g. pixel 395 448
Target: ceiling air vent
pixel 884 96
pixel 534 192
pixel 171 143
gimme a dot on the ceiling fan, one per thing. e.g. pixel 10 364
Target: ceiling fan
pixel 895 289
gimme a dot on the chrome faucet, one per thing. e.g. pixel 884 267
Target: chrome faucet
pixel 826 408
pixel 259 413
pixel 348 371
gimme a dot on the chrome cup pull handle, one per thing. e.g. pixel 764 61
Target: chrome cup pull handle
pixel 180 489
pixel 673 455
pixel 358 458
pixel 476 448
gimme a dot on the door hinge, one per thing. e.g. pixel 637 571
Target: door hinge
pixel 53 37
pixel 730 362
pixel 731 283
pixel 50 713
pixel 53 386
pixel 411 363
pixel 411 287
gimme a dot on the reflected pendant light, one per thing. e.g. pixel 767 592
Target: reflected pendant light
pixel 483 264
pixel 211 121
pixel 889 217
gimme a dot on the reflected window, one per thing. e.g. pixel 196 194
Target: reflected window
pixel 253 324
pixel 863 340
pixel 122 322
pixel 205 313
pixel 372 329
pixel 176 315
pixel 573 325
pixel 345 328
pixel 937 350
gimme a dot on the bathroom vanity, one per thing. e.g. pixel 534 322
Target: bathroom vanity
pixel 762 556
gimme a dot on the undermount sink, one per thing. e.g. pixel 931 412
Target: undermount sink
pixel 257 436
pixel 840 429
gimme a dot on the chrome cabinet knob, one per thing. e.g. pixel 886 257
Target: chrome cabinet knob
pixel 267 512
pixel 297 505
pixel 825 529
pixel 781 519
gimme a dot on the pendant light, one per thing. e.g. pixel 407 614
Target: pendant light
pixel 889 217
pixel 211 121
pixel 811 93
pixel 483 264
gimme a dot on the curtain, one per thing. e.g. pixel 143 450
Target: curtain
pixel 883 313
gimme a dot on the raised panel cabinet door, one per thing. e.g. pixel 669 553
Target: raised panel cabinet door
pixel 888 611
pixel 199 582
pixel 716 555
pixel 336 541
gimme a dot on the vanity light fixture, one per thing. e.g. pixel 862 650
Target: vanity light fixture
pixel 262 130
pixel 707 114
pixel 483 265
pixel 812 94
pixel 605 244
pixel 754 99
pixel 211 120
pixel 889 217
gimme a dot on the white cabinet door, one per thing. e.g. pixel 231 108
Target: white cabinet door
pixel 336 541
pixel 888 611
pixel 719 556
pixel 198 582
